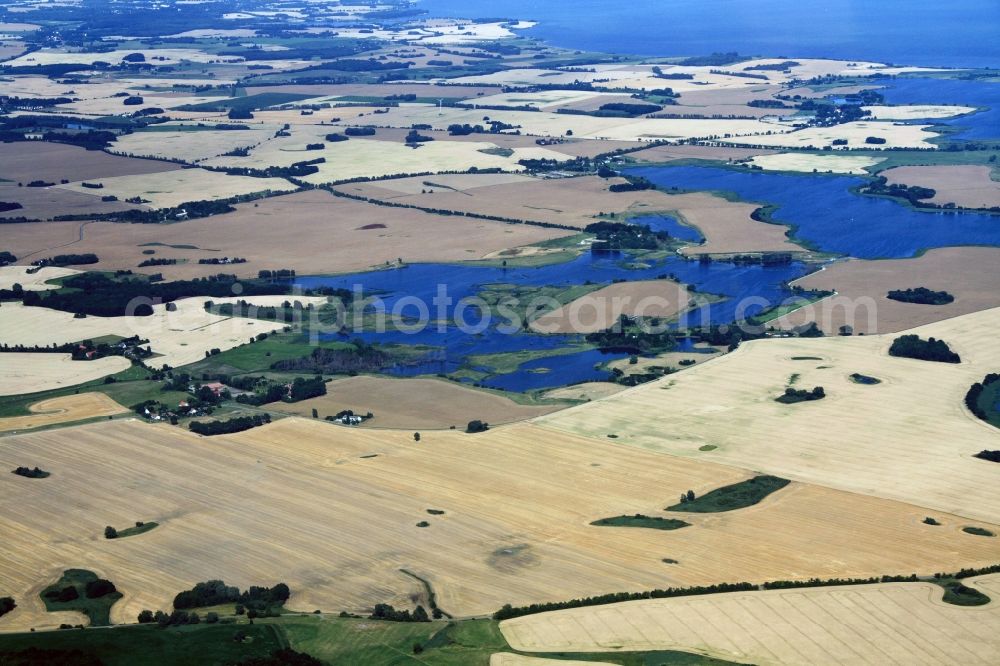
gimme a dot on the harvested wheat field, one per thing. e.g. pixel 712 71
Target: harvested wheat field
pixel 970 274
pixel 190 143
pixel 37 281
pixel 65 409
pixel 511 659
pixel 177 337
pixel 896 135
pixel 855 164
pixel 282 232
pixel 342 505
pixel 599 310
pixel 926 440
pixel 167 190
pixel 891 623
pixel 415 404
pixel 542 123
pixel 965 185
pixel 585 391
pixel 918 111
pixel 31 372
pixel 577 202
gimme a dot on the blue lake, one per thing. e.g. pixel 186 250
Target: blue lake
pixel 834 219
pixel 749 289
pixel 960 33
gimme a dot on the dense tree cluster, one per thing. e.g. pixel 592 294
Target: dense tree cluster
pixel 236 424
pixel 629 109
pixel 912 346
pixel 323 361
pixel 101 295
pixel 973 395
pixel 216 592
pixel 508 611
pixel 67 260
pixel 476 425
pixel 612 236
pixel 792 395
pixel 387 612
pixel 911 193
pixel 921 295
pixel 31 472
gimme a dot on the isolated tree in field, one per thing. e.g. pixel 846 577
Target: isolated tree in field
pixel 477 426
pixel 684 498
pixel 690 496
pixel 110 532
pixel 416 437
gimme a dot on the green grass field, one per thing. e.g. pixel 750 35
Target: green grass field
pixel 98 610
pixel 737 496
pixel 333 640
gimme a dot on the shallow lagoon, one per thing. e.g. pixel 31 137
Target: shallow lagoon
pixel 749 289
pixel 831 217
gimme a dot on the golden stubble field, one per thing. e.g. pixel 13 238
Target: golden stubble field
pixel 333 512
pixel 892 623
pixel 909 438
pixel 970 274
pixel 177 337
pixel 30 372
pixel 65 409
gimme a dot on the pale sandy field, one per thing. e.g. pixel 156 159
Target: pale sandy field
pixel 585 391
pixel 337 524
pixel 511 659
pixel 917 111
pixel 414 404
pixel 600 309
pixel 179 337
pixel 171 57
pixel 670 153
pixel 31 372
pixel 925 442
pixel 543 99
pixel 612 76
pixel 965 185
pixel 190 145
pixel 65 409
pixel 892 623
pixel 895 135
pixel 541 123
pixel 167 190
pixel 312 232
pixel 970 274
pixel 577 202
pixel 11 275
pixel 855 164
pixel 359 158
